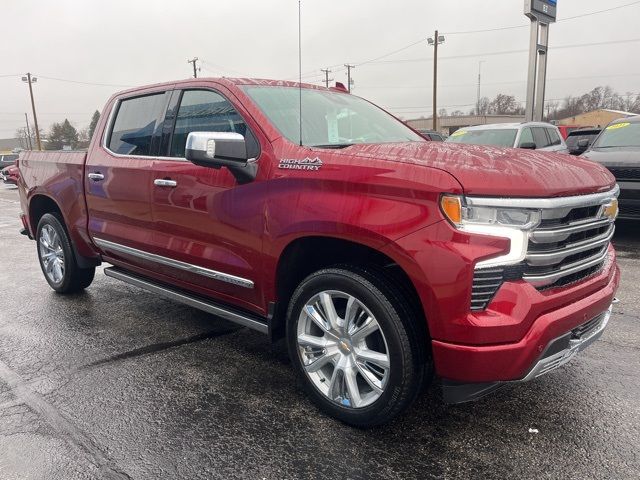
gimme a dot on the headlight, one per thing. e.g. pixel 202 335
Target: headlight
pixel 463 216
pixel 512 223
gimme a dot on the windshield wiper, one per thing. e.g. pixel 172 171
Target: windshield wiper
pixel 333 145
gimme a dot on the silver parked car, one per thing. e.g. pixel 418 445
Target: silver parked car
pixel 532 135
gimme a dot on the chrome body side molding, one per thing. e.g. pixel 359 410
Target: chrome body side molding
pixel 106 245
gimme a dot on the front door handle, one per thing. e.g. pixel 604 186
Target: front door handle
pixel 165 182
pixel 96 176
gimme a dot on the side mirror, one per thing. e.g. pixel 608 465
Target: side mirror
pixel 528 145
pixel 221 149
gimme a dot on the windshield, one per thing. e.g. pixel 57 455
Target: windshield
pixel 330 119
pixel 622 134
pixel 498 137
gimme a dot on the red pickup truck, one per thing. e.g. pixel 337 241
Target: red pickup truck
pixel 382 258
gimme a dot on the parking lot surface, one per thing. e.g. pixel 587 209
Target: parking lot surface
pixel 118 383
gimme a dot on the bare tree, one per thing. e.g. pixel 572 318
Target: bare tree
pixel 504 105
pixel 28 140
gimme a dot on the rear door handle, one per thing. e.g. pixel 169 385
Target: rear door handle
pixel 165 182
pixel 96 176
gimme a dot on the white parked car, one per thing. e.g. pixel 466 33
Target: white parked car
pixel 532 135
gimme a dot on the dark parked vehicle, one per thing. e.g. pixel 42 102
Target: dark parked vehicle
pixel 618 148
pixel 578 141
pixel 431 135
pixel 7 160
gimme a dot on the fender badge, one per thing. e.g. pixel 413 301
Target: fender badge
pixel 297 164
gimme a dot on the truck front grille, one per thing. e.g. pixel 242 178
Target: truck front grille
pixel 567 252
pixel 626 173
pixel 570 245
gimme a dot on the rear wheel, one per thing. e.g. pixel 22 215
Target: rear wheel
pixel 354 345
pixel 57 259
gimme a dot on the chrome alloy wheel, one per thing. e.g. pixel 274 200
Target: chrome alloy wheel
pixel 343 349
pixel 51 253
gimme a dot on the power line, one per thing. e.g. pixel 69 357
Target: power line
pixel 85 83
pixel 505 52
pixel 392 53
pixel 511 27
pixel 219 67
pixel 513 82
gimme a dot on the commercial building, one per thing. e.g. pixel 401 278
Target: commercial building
pixel 596 118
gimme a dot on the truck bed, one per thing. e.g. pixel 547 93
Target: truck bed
pixel 57 175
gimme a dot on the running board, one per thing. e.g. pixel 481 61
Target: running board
pixel 246 320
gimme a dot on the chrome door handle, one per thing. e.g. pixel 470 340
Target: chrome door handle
pixel 96 177
pixel 164 182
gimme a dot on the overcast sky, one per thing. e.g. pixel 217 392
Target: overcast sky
pixel 135 42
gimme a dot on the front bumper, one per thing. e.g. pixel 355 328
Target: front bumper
pixel 513 361
pixel 558 352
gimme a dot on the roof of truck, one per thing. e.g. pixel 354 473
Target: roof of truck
pixel 229 81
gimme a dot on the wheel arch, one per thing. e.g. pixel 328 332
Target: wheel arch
pixel 305 255
pixel 41 204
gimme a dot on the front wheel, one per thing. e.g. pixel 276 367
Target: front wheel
pixel 57 260
pixel 355 345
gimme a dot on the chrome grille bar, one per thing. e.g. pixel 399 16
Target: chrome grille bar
pixel 556 256
pixel 559 234
pixel 547 279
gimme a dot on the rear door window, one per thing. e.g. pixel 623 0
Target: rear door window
pixel 526 136
pixel 554 137
pixel 540 137
pixel 136 123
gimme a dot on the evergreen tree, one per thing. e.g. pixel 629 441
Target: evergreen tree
pixel 94 122
pixel 61 135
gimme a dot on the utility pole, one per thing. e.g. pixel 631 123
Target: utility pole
pixel 195 70
pixel 326 72
pixel 479 81
pixel 26 119
pixel 349 80
pixel 434 42
pixel 29 79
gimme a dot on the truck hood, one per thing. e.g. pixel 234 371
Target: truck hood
pixel 483 170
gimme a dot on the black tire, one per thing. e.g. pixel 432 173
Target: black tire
pixel 73 278
pixel 406 342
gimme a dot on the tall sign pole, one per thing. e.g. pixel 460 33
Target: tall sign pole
pixel 542 13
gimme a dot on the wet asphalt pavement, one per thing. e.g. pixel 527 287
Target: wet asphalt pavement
pixel 118 383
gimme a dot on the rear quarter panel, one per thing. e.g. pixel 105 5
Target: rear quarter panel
pixel 58 176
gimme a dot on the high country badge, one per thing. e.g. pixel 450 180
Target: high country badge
pixel 298 164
